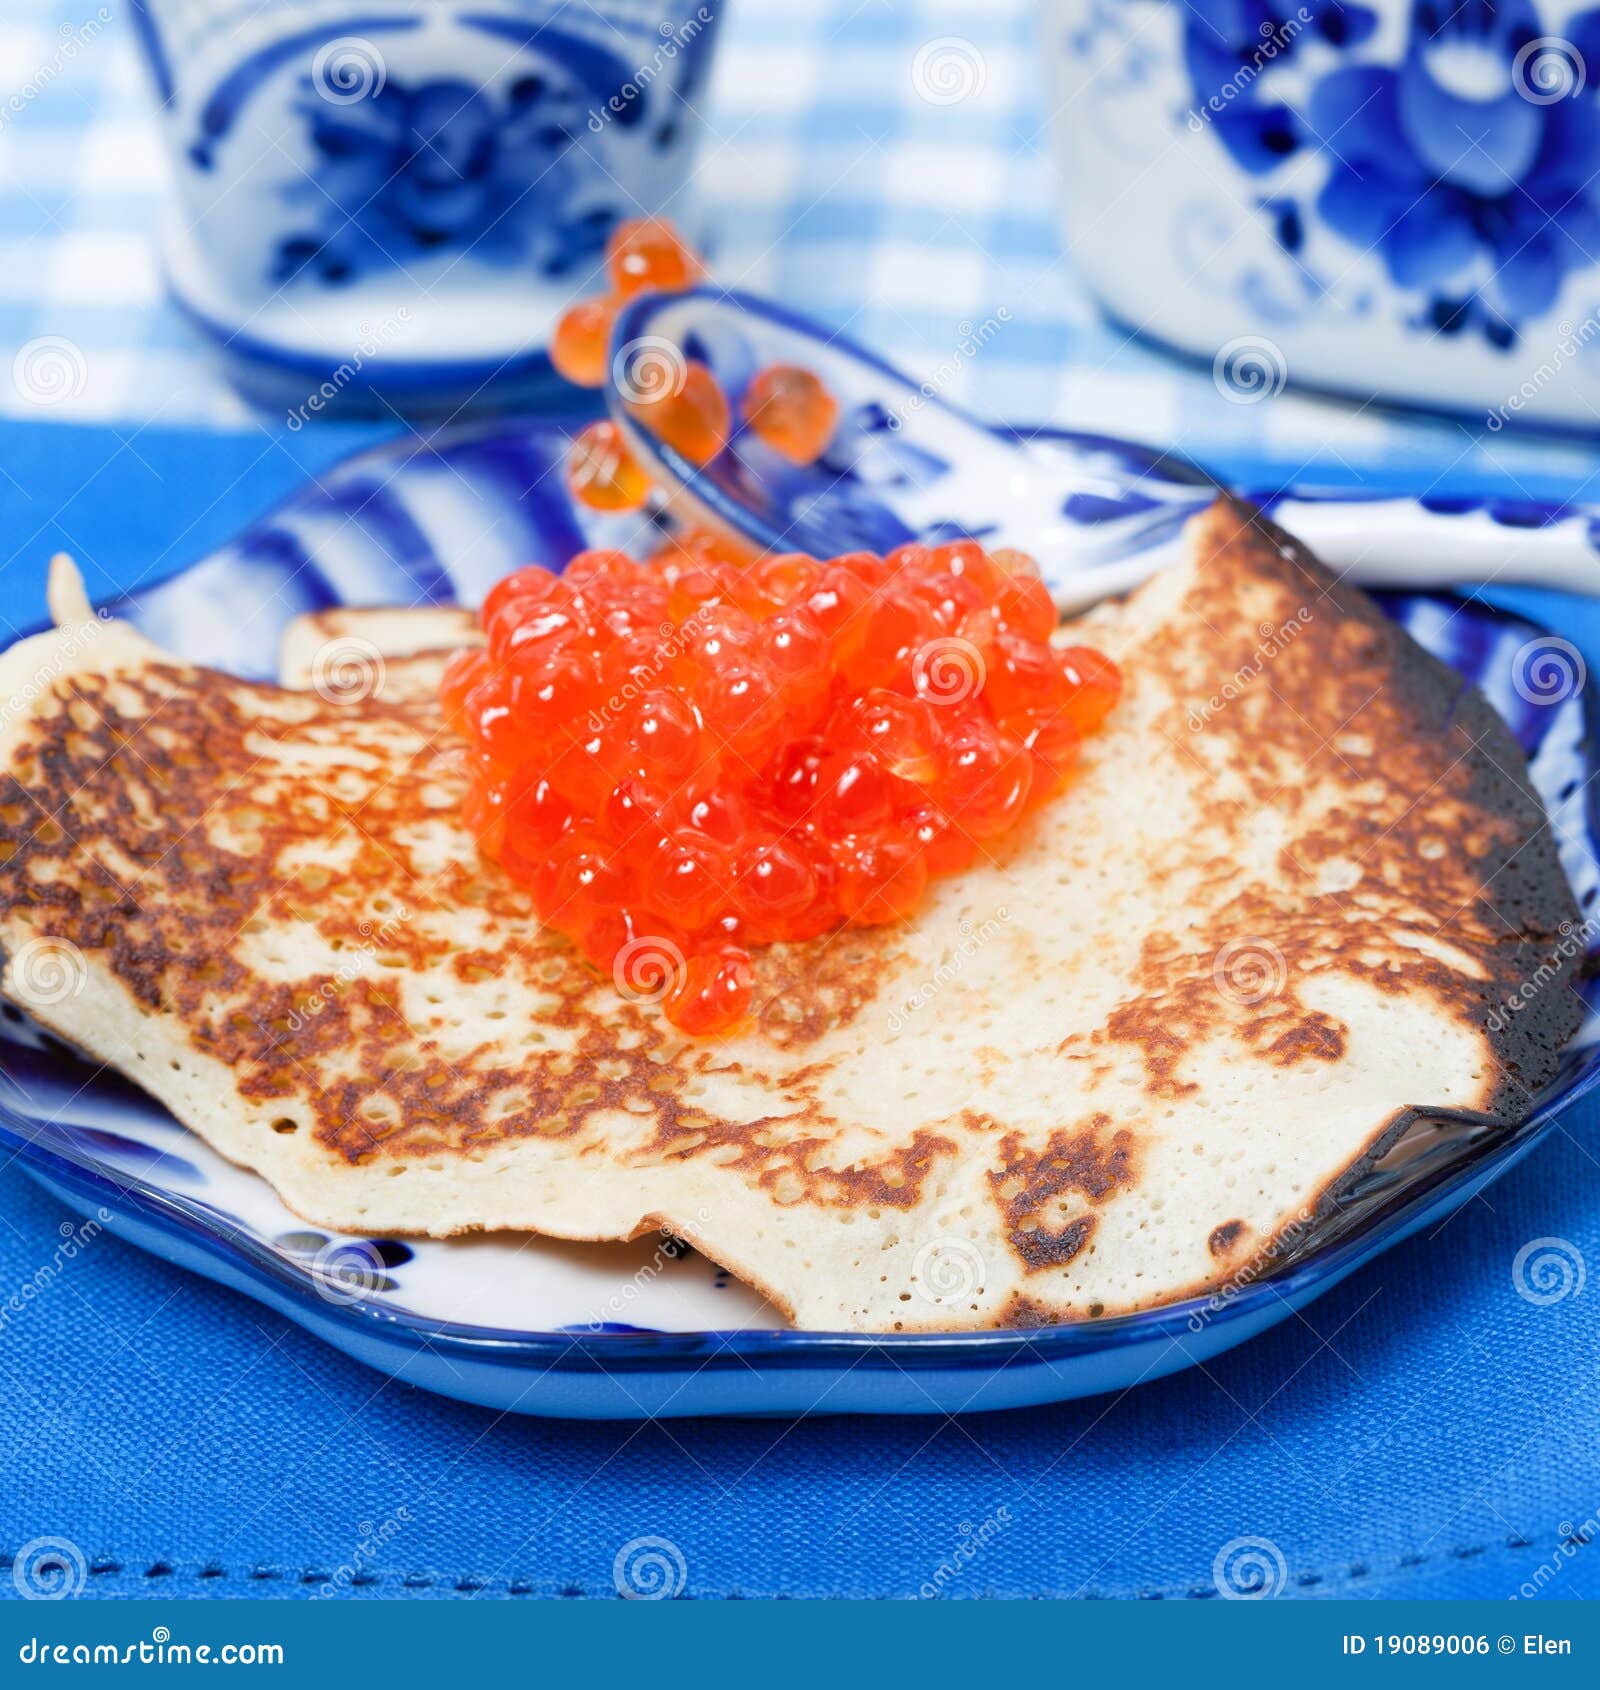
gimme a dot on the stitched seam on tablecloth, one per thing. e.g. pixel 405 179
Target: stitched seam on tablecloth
pixel 204 1572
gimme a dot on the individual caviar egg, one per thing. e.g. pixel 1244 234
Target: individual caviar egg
pixel 647 252
pixel 580 346
pixel 690 414
pixel 790 409
pixel 602 472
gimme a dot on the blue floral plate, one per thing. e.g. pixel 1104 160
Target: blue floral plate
pixel 650 1329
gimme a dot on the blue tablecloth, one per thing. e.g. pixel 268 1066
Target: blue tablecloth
pixel 1423 1430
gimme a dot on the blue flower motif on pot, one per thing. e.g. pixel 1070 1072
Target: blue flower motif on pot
pixel 1229 45
pixel 1473 193
pixel 496 172
pixel 1467 166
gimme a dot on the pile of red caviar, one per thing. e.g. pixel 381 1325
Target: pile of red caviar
pixel 785 406
pixel 687 758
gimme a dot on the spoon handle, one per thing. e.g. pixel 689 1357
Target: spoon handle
pixel 1401 543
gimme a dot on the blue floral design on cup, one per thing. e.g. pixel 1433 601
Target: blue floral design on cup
pixel 396 200
pixel 410 169
pixel 1468 164
pixel 1223 41
pixel 1437 177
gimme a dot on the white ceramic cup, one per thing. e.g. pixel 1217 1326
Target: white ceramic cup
pixel 401 195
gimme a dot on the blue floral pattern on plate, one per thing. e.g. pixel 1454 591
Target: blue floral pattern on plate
pixel 1099 514
pixel 540 1327
pixel 902 462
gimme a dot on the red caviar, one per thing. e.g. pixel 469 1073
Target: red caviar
pixel 690 415
pixel 580 346
pixel 603 473
pixel 792 411
pixel 689 758
pixel 647 252
pixel 786 406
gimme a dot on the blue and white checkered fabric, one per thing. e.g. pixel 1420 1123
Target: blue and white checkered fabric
pixel 831 184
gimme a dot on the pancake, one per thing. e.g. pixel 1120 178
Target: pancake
pixel 1136 1057
pixel 349 654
